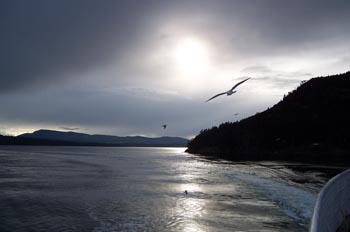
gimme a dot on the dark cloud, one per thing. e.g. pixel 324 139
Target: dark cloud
pixel 69 128
pixel 279 82
pixel 277 78
pixel 257 69
pixel 278 26
pixel 43 40
pixel 263 70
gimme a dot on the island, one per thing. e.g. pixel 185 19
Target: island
pixel 61 138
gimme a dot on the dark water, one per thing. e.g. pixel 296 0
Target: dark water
pixel 142 189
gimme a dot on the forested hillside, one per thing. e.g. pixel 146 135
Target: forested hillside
pixel 312 123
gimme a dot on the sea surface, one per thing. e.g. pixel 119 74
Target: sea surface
pixel 143 189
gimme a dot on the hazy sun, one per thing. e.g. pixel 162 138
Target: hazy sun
pixel 191 56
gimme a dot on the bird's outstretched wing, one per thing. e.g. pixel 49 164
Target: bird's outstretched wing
pixel 241 82
pixel 216 96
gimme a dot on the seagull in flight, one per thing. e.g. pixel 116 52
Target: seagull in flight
pixel 229 92
pixel 164 126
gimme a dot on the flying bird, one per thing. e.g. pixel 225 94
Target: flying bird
pixel 164 126
pixel 229 92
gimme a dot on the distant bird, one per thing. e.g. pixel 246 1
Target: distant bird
pixel 236 114
pixel 186 192
pixel 164 126
pixel 229 92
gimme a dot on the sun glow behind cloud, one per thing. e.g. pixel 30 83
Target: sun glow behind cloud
pixel 182 60
pixel 191 56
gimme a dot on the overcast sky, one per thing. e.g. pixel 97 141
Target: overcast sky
pixel 127 67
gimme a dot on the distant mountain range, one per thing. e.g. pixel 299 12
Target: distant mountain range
pixel 311 123
pixel 51 137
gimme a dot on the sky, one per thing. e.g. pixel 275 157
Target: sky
pixel 128 67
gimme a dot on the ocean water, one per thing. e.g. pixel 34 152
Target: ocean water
pixel 143 189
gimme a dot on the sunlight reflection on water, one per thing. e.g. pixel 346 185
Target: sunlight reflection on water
pixel 142 189
pixel 189 206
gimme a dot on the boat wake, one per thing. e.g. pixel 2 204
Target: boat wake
pixel 295 202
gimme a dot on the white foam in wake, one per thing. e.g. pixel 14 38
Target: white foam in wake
pixel 295 202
